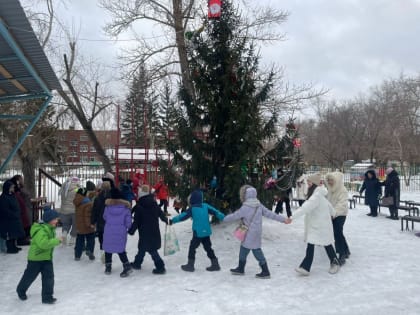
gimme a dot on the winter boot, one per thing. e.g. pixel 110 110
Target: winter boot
pixel 72 241
pixel 342 259
pixel 11 247
pixel 214 265
pixel 265 273
pixel 108 268
pixel 50 300
pixel 127 270
pixel 240 270
pixel 189 267
pixel 302 271
pixel 90 255
pixel 334 267
pixel 160 268
pixel 22 296
pixel 135 265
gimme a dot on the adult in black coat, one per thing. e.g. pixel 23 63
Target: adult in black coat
pixel 98 208
pixel 392 189
pixel 373 189
pixel 146 220
pixel 11 227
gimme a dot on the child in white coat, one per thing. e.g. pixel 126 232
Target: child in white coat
pixel 318 225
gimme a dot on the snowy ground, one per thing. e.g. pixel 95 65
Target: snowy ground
pixel 381 277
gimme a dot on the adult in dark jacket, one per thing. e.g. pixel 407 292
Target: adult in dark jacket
pixel 24 212
pixel 392 189
pixel 11 227
pixel 97 217
pixel 373 189
pixel 146 220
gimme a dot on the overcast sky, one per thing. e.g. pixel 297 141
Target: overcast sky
pixel 345 46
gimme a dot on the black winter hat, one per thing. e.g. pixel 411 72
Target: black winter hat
pixel 116 194
pixel 90 186
pixel 82 191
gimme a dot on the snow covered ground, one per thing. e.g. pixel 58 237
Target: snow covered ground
pixel 381 277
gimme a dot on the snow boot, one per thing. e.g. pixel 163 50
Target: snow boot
pixel 127 270
pixel 302 271
pixel 334 267
pixel 11 247
pixel 240 270
pixel 72 241
pixel 108 268
pixel 342 259
pixel 214 265
pixel 22 296
pixel 90 255
pixel 159 268
pixel 189 267
pixel 265 273
pixel 50 300
pixel 135 265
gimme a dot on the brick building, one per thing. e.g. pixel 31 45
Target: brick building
pixel 75 146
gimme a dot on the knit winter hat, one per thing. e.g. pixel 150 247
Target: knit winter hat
pixel 116 194
pixel 49 215
pixel 389 170
pixel 90 186
pixel 315 179
pixel 144 191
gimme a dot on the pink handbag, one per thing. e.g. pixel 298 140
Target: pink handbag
pixel 241 231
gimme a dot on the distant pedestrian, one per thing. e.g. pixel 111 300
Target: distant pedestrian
pixel 373 191
pixel 162 193
pixel 301 190
pixel 392 189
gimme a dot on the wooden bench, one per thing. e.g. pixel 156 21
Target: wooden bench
pixel 408 218
pixel 355 197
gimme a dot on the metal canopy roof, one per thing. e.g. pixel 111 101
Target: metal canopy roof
pixel 25 72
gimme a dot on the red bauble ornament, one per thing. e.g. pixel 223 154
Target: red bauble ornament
pixel 215 9
pixel 297 143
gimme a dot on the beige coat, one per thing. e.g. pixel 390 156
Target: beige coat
pixel 338 195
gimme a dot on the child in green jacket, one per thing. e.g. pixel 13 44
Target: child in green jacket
pixel 40 257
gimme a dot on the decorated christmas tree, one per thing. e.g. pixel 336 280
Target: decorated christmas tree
pixel 221 131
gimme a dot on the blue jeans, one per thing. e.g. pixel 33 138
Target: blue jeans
pixel 258 254
pixel 84 241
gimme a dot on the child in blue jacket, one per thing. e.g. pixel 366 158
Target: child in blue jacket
pixel 199 212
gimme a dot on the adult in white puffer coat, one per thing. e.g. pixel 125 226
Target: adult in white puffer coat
pixel 318 226
pixel 338 197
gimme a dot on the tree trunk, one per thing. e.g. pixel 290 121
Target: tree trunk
pixel 99 149
pixel 28 171
pixel 182 49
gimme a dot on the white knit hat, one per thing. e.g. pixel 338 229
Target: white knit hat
pixel 315 179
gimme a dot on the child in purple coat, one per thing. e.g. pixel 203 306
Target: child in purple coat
pixel 251 213
pixel 117 216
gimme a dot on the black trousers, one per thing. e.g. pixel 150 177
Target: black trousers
pixel 123 258
pixel 33 269
pixel 84 241
pixel 195 243
pixel 393 211
pixel 309 258
pixel 373 210
pixel 100 235
pixel 279 207
pixel 138 260
pixel 341 245
pixel 164 203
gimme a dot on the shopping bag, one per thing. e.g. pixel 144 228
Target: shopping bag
pixel 387 201
pixel 171 245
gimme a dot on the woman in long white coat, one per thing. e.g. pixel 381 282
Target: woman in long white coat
pixel 318 225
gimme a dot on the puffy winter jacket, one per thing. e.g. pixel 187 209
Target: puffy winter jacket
pixel 83 214
pixel 68 191
pixel 338 195
pixel 199 212
pixel 318 224
pixel 43 242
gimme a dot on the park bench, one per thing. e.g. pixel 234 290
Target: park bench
pixel 358 197
pixel 408 218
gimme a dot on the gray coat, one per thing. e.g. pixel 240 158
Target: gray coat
pixel 250 206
